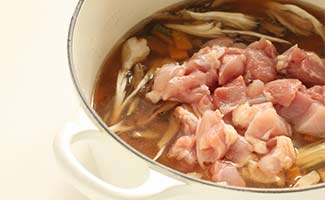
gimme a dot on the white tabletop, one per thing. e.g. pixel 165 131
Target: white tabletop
pixel 37 98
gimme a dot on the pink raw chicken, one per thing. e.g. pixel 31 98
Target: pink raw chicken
pixel 203 105
pixel 281 157
pixel 282 91
pixel 297 108
pixel 255 89
pixel 260 61
pixel 232 65
pixel 162 78
pixel 171 83
pixel 240 152
pixel 184 146
pixel 312 121
pixel 306 114
pixel 243 115
pixel 187 119
pixel 230 96
pixel 184 149
pixel 206 61
pixel 264 124
pixel 213 137
pixel 255 93
pixel 189 82
pixel 226 172
pixel 303 65
pixel 317 93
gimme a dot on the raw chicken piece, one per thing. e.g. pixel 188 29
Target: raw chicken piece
pixel 184 149
pixel 255 89
pixel 187 89
pixel 297 108
pixel 243 115
pixel 303 65
pixel 240 152
pixel 187 119
pixel 232 65
pixel 189 82
pixel 171 83
pixel 184 146
pixel 255 93
pixel 260 61
pixel 312 121
pixel 266 46
pixel 213 137
pixel 230 96
pixel 162 78
pixel 306 114
pixel 280 158
pixel 226 172
pixel 203 105
pixel 206 61
pixel 265 125
pixel 317 93
pixel 282 91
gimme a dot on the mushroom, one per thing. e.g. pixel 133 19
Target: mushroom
pixel 322 174
pixel 234 20
pixel 212 30
pixel 311 156
pixel 206 30
pixel 253 173
pixel 309 179
pixel 296 19
pixel 134 50
pixel 168 136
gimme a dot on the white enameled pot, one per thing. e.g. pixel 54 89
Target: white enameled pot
pixel 108 168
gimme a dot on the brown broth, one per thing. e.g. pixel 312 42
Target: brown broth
pixel 105 89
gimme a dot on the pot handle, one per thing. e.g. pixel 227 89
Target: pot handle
pixel 155 184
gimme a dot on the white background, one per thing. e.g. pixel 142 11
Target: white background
pixel 37 97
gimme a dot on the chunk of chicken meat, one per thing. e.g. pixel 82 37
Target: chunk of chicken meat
pixel 184 149
pixel 280 158
pixel 282 91
pixel 306 114
pixel 240 152
pixel 184 146
pixel 206 103
pixel 262 123
pixel 299 105
pixel 312 121
pixel 213 137
pixel 230 96
pixel 317 93
pixel 187 120
pixel 226 172
pixel 171 83
pixel 232 65
pixel 261 61
pixel 303 65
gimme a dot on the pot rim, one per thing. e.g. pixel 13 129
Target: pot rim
pixel 153 163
